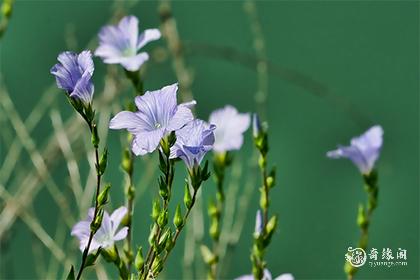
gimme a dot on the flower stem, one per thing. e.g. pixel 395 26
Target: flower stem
pixel 92 127
pixel 364 216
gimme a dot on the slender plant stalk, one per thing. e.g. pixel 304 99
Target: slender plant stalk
pixel 92 127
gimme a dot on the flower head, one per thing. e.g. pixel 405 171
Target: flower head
pixel 193 141
pixel 363 151
pixel 230 126
pixel 73 73
pixel 106 235
pixel 267 276
pixel 158 114
pixel 119 44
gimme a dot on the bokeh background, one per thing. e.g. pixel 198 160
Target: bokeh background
pixel 319 72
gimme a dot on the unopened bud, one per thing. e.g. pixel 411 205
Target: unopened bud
pixel 178 219
pixel 139 260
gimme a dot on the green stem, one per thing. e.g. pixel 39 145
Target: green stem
pixel 98 186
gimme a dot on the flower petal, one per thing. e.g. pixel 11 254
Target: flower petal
pixel 128 120
pixel 286 276
pixel 129 27
pixel 147 36
pixel 183 115
pixel 146 142
pixel 121 234
pixel 133 63
pixel 84 89
pixel 117 216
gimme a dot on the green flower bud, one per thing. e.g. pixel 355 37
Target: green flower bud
pixel 95 136
pixel 139 260
pixel 102 162
pixel 214 229
pixel 157 265
pixel 163 218
pixel 152 235
pixel 178 219
pixel 208 256
pixel 362 221
pixel 103 195
pixel 110 254
pixel 187 197
pixel 127 163
pixel 155 210
pixel 263 199
pixel 96 223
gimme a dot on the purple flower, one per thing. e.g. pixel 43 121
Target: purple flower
pixel 267 276
pixel 258 223
pixel 193 141
pixel 230 125
pixel 363 151
pixel 73 73
pixel 106 235
pixel 119 44
pixel 158 115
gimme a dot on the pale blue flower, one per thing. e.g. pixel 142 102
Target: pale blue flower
pixel 73 73
pixel 230 126
pixel 119 44
pixel 158 114
pixel 363 151
pixel 267 276
pixel 106 235
pixel 193 141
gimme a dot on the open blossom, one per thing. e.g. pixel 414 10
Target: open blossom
pixel 119 44
pixel 267 276
pixel 230 126
pixel 106 235
pixel 193 141
pixel 73 73
pixel 363 151
pixel 158 114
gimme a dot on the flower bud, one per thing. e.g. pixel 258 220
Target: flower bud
pixel 163 218
pixel 187 197
pixel 208 256
pixel 127 163
pixel 96 223
pixel 103 195
pixel 155 210
pixel 103 162
pixel 110 254
pixel 95 136
pixel 256 126
pixel 362 221
pixel 263 199
pixel 214 229
pixel 139 260
pixel 152 235
pixel 178 219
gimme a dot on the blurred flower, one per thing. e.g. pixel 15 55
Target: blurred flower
pixel 158 115
pixel 230 125
pixel 258 223
pixel 363 151
pixel 73 73
pixel 256 125
pixel 267 276
pixel 193 141
pixel 106 235
pixel 119 44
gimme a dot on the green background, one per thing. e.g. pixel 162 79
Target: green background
pixel 364 53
